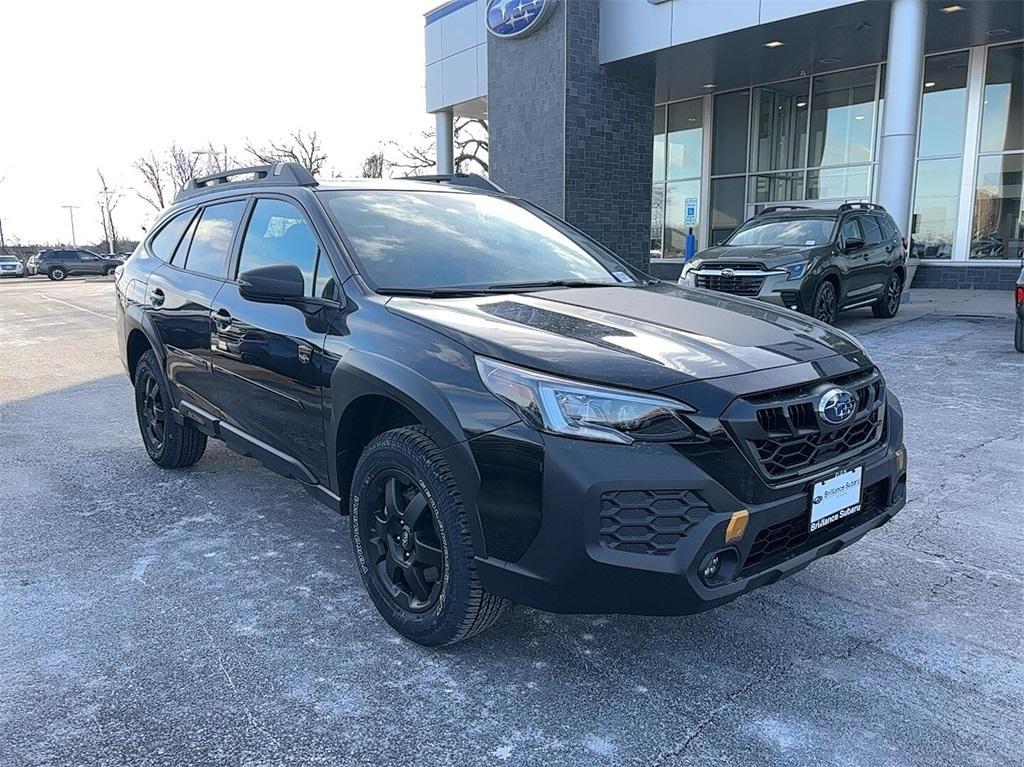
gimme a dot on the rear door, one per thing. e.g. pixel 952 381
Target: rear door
pixel 181 295
pixel 878 249
pixel 267 357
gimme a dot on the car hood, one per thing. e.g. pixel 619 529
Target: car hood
pixel 769 255
pixel 640 338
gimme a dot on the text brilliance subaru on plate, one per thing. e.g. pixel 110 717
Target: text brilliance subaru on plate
pixel 508 411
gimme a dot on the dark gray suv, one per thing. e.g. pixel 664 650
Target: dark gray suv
pixel 817 261
pixel 58 264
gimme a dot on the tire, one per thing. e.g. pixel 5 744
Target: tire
pixel 108 272
pixel 825 304
pixel 57 273
pixel 172 445
pixel 405 503
pixel 887 306
pixel 1018 335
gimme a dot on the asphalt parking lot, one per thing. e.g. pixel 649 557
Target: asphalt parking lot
pixel 214 616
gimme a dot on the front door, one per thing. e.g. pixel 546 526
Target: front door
pixel 267 357
pixel 854 262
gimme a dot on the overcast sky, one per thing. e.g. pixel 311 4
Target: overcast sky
pixel 95 84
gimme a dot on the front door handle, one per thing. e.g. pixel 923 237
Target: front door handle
pixel 156 297
pixel 223 319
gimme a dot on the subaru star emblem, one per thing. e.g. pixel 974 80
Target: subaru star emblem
pixel 836 406
pixel 515 18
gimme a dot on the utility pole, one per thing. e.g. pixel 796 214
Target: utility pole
pixel 3 245
pixel 71 212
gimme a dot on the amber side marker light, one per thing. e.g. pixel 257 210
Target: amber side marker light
pixel 737 526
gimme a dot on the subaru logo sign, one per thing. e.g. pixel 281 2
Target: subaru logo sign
pixel 516 18
pixel 837 406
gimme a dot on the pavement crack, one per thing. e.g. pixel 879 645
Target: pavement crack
pixel 683 745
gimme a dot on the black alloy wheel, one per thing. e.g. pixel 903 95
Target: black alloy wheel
pixel 152 413
pixel 412 542
pixel 825 303
pixel 403 541
pixel 57 274
pixel 889 303
pixel 170 444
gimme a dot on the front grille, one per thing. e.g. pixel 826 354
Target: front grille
pixel 736 285
pixel 649 521
pixel 787 539
pixel 782 436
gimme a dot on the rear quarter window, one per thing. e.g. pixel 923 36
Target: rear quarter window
pixel 166 240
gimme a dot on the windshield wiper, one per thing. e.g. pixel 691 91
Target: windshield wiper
pixel 432 292
pixel 554 284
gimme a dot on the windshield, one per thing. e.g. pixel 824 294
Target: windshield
pixel 804 232
pixel 8 259
pixel 448 240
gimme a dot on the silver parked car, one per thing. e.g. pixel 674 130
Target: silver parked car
pixel 11 266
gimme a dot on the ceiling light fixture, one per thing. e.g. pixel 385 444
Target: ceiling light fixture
pixel 828 61
pixel 774 44
pixel 953 9
pixel 709 85
pixel 801 103
pixel 929 85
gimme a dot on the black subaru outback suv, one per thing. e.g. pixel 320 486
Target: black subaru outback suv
pixel 817 261
pixel 508 412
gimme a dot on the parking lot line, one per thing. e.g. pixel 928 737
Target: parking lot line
pixel 76 306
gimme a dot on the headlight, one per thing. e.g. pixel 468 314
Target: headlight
pixel 584 411
pixel 796 271
pixel 688 268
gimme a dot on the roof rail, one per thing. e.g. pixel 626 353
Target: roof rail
pixel 774 208
pixel 861 206
pixel 280 174
pixel 472 180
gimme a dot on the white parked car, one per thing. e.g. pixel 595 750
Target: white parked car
pixel 10 266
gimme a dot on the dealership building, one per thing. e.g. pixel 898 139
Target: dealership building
pixel 642 121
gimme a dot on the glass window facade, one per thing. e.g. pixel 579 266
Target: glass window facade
pixel 940 150
pixel 814 140
pixel 678 161
pixel 997 229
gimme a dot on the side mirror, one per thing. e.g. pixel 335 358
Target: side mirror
pixel 277 282
pixel 852 243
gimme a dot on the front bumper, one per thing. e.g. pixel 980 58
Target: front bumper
pixel 571 566
pixel 776 288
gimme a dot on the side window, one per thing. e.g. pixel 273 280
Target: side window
pixel 888 227
pixel 851 230
pixel 278 233
pixel 178 257
pixel 872 234
pixel 211 242
pixel 166 240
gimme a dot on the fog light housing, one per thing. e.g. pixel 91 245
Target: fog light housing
pixel 711 568
pixel 720 567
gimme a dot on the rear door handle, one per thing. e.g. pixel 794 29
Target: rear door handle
pixel 156 297
pixel 222 318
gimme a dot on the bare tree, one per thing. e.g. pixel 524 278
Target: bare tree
pixel 183 165
pixel 472 145
pixel 304 148
pixel 154 180
pixel 109 197
pixel 373 165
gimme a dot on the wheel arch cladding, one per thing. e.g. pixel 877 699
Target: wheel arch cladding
pixel 141 335
pixel 375 392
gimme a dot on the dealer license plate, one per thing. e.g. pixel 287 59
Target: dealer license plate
pixel 835 498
